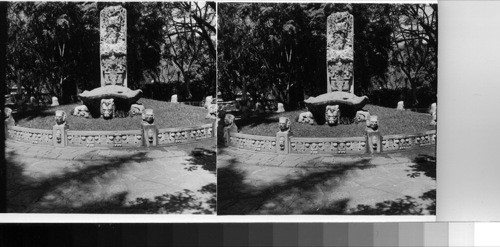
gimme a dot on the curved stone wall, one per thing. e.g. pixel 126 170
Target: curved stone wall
pixel 120 138
pixel 189 134
pixel 347 145
pixel 28 135
pixel 253 142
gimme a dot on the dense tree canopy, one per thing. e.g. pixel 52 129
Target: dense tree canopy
pixel 55 43
pixel 281 48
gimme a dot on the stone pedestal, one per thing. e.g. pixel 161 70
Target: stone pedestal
pixel 59 135
pixel 227 132
pixel 150 135
pixel 8 122
pixel 283 142
pixel 373 141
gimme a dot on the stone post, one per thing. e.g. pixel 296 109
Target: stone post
pixel 9 121
pixel 373 141
pixel 283 136
pixel 59 131
pixel 149 130
pixel 229 127
pixel 149 135
pixel 373 137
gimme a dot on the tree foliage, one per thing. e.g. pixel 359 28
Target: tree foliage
pixel 281 48
pixel 53 43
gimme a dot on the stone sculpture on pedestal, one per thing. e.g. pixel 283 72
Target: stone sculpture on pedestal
pixel 340 74
pixel 60 117
pixel 113 57
pixel 148 117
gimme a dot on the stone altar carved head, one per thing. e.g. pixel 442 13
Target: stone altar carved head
pixel 332 114
pixel 107 108
pixel 136 109
pixel 81 111
pixel 148 116
pixel 362 116
pixel 372 123
pixel 306 117
pixel 60 117
pixel 284 124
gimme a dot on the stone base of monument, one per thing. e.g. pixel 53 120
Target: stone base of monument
pixel 123 98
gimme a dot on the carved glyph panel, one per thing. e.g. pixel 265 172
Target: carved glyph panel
pixel 113 46
pixel 102 139
pixel 169 136
pixel 339 51
pixel 327 146
pixel 32 136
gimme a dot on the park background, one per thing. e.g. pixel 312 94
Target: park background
pixel 53 50
pixel 277 51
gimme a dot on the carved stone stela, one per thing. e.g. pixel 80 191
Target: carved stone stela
pixel 339 52
pixel 113 30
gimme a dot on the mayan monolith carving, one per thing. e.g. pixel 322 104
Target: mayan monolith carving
pixel 339 52
pixel 113 31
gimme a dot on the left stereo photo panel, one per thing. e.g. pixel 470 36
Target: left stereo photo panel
pixel 108 108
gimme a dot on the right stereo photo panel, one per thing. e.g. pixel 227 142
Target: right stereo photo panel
pixel 326 108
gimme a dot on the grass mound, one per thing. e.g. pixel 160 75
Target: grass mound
pixel 391 121
pixel 167 115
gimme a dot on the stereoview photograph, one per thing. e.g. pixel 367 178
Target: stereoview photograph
pixel 107 108
pixel 326 108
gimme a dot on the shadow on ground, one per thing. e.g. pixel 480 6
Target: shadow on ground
pixel 28 194
pixel 236 197
pixel 239 198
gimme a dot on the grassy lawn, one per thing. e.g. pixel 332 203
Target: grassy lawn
pixel 390 122
pixel 167 115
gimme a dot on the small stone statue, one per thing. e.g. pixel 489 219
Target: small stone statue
pixel 284 124
pixel 55 101
pixel 208 101
pixel 136 109
pixel 372 123
pixel 401 105
pixel 81 111
pixel 332 114
pixel 306 117
pixel 107 108
pixel 281 108
pixel 173 99
pixel 60 117
pixel 148 117
pixel 362 116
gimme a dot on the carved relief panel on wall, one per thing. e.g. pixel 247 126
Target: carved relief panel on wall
pixel 113 30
